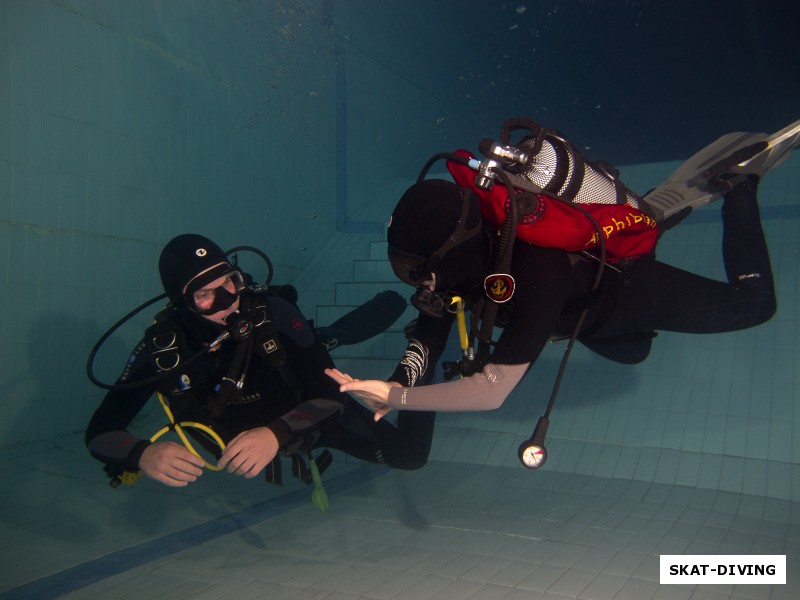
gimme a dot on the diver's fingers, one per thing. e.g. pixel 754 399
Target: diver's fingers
pixel 339 377
pixel 381 412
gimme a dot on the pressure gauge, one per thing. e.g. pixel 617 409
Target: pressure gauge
pixel 532 455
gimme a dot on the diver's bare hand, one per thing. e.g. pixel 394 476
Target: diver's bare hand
pixel 171 464
pixel 250 452
pixel 373 392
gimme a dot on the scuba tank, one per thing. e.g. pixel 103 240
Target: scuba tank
pixel 565 188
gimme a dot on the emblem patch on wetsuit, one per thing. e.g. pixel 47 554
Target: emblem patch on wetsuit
pixel 184 382
pixel 499 287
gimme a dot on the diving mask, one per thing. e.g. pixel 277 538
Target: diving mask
pixel 208 300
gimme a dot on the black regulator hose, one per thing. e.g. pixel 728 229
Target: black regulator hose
pixel 260 253
pixel 108 334
pixel 451 156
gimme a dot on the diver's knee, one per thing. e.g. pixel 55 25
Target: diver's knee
pixel 761 311
pixel 415 465
pixel 759 293
pixel 766 304
pixel 410 462
pixel 767 310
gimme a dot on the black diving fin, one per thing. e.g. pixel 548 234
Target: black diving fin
pixel 364 322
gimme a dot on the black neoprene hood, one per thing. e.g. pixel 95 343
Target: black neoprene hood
pixel 424 217
pixel 184 258
pixel 433 228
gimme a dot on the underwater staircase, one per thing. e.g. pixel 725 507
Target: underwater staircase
pixel 349 271
pixel 377 356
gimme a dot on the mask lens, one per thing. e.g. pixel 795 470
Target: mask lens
pixel 238 281
pixel 210 300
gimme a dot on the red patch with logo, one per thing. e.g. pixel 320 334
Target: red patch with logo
pixel 499 287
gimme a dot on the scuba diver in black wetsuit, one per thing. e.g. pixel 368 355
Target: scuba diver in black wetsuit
pixel 249 368
pixel 441 241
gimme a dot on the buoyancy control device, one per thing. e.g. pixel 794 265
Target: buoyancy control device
pixel 563 187
pixel 542 191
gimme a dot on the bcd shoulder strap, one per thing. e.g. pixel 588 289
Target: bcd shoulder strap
pixel 267 343
pixel 165 341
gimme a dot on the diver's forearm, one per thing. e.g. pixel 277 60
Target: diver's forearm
pixel 485 390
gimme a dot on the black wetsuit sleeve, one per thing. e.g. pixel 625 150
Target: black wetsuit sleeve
pixel 107 437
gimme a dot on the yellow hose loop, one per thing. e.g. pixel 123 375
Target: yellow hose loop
pixel 179 427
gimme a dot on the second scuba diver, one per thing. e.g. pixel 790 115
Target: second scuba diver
pixel 441 240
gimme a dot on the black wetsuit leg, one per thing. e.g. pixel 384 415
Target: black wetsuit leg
pixel 656 296
pixel 626 348
pixel 405 446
